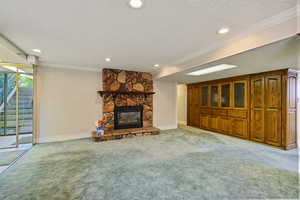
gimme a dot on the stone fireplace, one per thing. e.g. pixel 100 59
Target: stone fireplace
pixel 128 117
pixel 126 88
pixel 127 103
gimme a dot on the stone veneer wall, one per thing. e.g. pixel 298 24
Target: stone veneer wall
pixel 127 81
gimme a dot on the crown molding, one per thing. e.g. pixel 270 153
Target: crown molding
pixel 264 24
pixel 74 67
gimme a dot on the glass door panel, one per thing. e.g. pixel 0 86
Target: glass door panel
pixel 11 106
pixel 8 109
pixel 25 113
pixel 239 94
pixel 214 95
pixel 16 106
pixel 225 95
pixel 204 96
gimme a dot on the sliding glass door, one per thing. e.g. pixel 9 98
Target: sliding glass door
pixel 16 106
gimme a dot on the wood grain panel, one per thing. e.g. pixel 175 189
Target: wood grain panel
pixel 223 124
pixel 238 113
pixel 273 110
pixel 257 92
pixel 195 116
pixel 239 128
pixel 189 105
pixel 257 125
pixel 273 91
pixel 204 121
pixel 292 92
pixel 273 127
pixel 257 129
pixel 213 122
pixel 291 137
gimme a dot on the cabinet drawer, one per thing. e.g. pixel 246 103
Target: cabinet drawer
pixel 205 111
pixel 238 113
pixel 219 112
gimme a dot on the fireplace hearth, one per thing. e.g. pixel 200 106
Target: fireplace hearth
pixel 128 117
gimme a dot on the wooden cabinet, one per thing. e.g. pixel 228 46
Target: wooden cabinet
pixel 273 127
pixel 214 95
pixel 204 96
pixel 193 108
pixel 204 118
pixel 289 110
pixel 260 107
pixel 273 110
pixel 239 128
pixel 224 124
pixel 266 108
pixel 257 109
pixel 213 122
pixel 225 95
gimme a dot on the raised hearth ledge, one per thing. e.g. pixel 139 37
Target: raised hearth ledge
pixel 125 133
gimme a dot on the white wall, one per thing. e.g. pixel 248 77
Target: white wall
pixel 182 103
pixel 165 105
pixel 68 104
pixel 298 111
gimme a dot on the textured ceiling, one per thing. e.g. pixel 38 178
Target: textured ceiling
pixel 79 33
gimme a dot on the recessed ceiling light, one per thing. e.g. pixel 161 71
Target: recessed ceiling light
pixel 223 30
pixel 156 65
pixel 36 50
pixel 136 3
pixel 107 59
pixel 211 69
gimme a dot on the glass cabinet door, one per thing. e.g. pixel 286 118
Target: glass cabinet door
pixel 240 94
pixel 214 95
pixel 204 96
pixel 225 95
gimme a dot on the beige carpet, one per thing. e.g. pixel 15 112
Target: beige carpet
pixel 181 164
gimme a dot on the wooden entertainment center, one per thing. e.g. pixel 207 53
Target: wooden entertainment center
pixel 259 107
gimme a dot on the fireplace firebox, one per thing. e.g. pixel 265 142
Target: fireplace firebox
pixel 128 117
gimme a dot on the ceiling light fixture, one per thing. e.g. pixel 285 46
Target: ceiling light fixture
pixel 136 3
pixel 156 65
pixel 107 59
pixel 211 70
pixel 223 30
pixel 36 50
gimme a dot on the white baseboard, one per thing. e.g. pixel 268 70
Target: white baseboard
pixel 63 137
pixel 80 135
pixel 167 127
pixel 182 122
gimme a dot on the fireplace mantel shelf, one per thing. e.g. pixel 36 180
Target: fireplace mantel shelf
pixel 115 93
